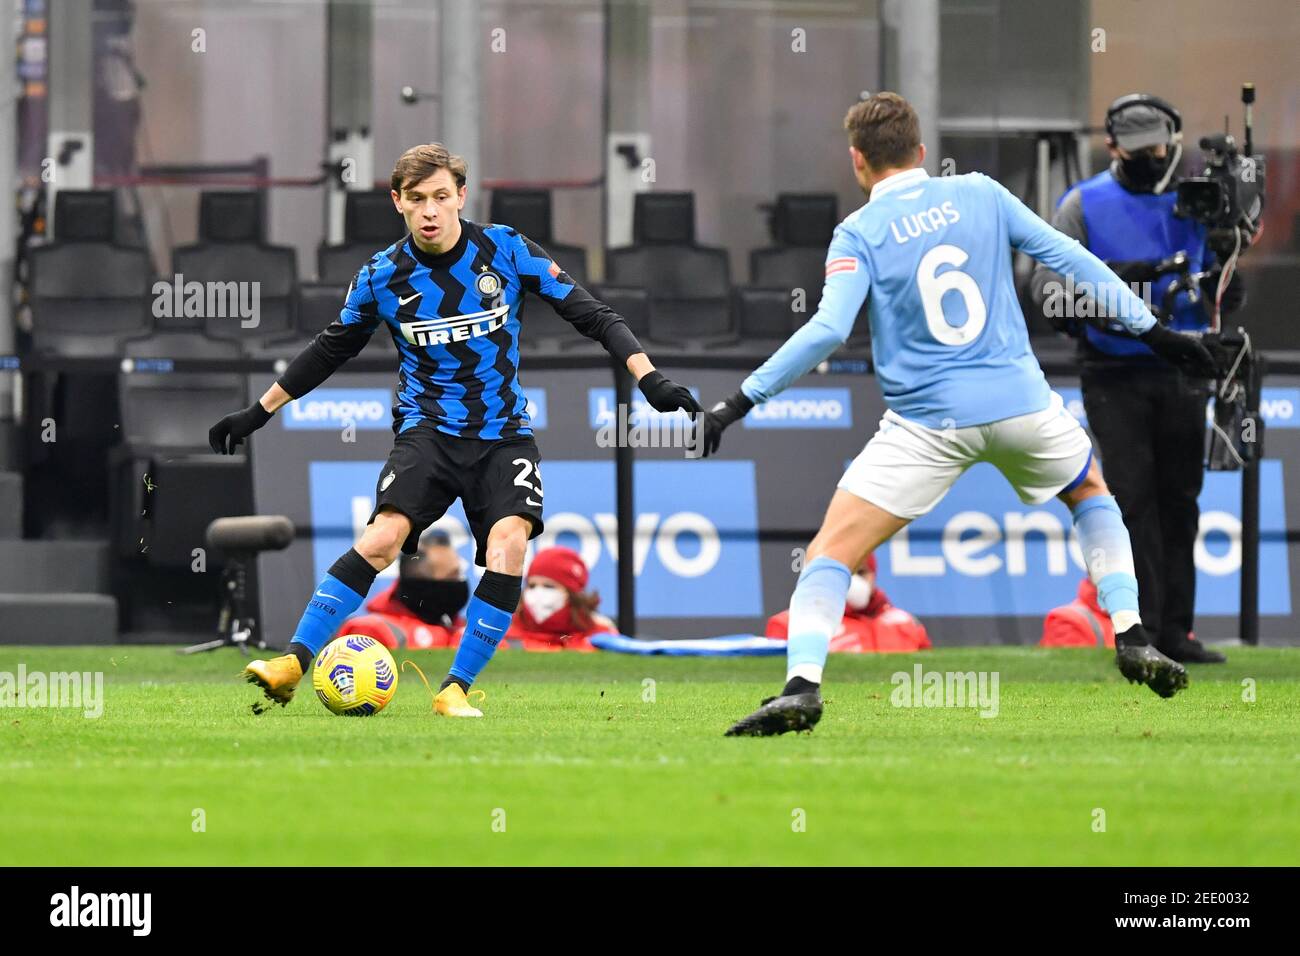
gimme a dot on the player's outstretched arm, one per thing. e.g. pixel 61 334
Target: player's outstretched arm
pixel 335 344
pixel 843 292
pixel 1032 236
pixel 542 276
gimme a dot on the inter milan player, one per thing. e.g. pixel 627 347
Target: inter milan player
pixel 449 292
pixel 961 385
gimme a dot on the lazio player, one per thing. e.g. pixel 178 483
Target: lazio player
pixel 449 293
pixel 932 257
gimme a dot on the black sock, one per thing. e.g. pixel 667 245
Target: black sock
pixel 1135 636
pixel 797 685
pixel 500 590
pixel 354 571
pixel 453 680
pixel 303 653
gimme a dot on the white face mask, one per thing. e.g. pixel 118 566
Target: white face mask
pixel 543 600
pixel 859 592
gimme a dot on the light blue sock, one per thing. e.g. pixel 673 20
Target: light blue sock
pixel 485 625
pixel 1108 555
pixel 331 602
pixel 816 610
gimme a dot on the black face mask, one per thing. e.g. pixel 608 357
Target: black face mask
pixel 1144 170
pixel 433 602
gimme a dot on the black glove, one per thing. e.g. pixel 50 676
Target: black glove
pixel 1185 352
pixel 1134 270
pixel 226 435
pixel 665 395
pixel 716 419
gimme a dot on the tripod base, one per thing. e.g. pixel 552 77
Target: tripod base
pixel 237 636
pixel 234 625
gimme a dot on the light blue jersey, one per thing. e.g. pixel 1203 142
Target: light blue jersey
pixel 948 340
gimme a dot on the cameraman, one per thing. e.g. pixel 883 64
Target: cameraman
pixel 1147 416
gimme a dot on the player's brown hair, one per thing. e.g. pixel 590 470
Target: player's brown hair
pixel 420 162
pixel 884 129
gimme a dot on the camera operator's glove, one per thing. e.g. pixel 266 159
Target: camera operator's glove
pixel 1134 270
pixel 225 436
pixel 715 421
pixel 1184 352
pixel 665 395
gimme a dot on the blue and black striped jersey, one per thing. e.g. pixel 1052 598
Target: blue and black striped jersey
pixel 455 320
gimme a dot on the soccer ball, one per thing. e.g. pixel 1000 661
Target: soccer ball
pixel 355 676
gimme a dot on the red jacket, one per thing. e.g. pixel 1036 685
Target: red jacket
pixel 879 628
pixel 1081 623
pixel 392 624
pixel 560 634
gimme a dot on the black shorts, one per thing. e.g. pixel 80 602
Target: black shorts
pixel 428 470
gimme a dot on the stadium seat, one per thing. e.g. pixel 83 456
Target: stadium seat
pixel 802 225
pixel 663 219
pixel 370 224
pixel 230 252
pixel 688 286
pixel 803 220
pixel 167 484
pixel 631 303
pixel 87 294
pixel 765 317
pixel 319 305
pixel 529 211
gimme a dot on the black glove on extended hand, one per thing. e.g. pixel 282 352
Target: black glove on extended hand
pixel 1185 352
pixel 225 436
pixel 713 422
pixel 665 395
pixel 1134 270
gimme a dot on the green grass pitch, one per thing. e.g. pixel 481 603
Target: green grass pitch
pixel 580 761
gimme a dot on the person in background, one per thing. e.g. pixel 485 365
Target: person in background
pixel 556 612
pixel 421 609
pixel 1146 413
pixel 871 625
pixel 1081 623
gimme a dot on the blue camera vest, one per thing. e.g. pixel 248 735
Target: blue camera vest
pixel 1127 226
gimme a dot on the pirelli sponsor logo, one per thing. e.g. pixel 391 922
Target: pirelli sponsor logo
pixel 458 328
pixel 842 264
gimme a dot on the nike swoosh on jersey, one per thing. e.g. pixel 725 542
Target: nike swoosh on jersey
pixel 409 298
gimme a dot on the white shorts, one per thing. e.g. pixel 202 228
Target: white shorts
pixel 907 468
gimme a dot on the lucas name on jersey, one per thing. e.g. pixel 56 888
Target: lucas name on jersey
pixel 917 224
